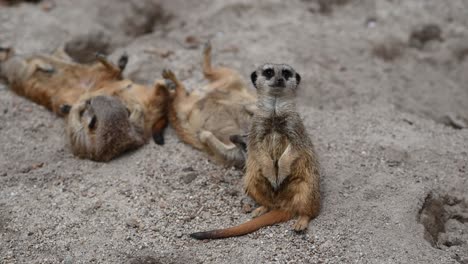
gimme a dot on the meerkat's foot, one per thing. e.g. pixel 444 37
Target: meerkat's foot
pixel 259 211
pixel 239 141
pixel 301 224
pixel 123 60
pixel 204 136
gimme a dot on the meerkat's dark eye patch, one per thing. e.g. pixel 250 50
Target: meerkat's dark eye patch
pixel 286 74
pixel 253 78
pixel 268 73
pixel 92 123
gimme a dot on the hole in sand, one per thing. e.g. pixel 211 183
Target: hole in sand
pixel 134 18
pixel 445 220
pixel 15 2
pixel 83 48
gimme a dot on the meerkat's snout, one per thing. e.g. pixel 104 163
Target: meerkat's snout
pixel 107 110
pixel 100 127
pixel 279 82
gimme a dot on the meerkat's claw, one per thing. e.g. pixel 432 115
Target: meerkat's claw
pixel 123 60
pixel 259 211
pixel 301 224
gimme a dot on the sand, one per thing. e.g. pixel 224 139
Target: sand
pixel 387 115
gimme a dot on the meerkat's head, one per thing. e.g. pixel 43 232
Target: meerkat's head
pixel 99 128
pixel 275 79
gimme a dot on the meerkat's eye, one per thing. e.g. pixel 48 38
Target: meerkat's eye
pixel 268 73
pixel 287 74
pixel 128 111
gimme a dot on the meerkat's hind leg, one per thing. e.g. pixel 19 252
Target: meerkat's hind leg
pixel 231 154
pixel 41 65
pixel 250 108
pixel 259 211
pixel 302 223
pixel 216 75
pixel 207 68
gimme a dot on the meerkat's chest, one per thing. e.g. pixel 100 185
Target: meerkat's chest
pixel 275 144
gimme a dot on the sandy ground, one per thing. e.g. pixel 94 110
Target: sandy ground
pixel 381 112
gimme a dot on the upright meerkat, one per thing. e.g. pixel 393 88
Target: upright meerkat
pixel 282 171
pixel 106 115
pixel 214 118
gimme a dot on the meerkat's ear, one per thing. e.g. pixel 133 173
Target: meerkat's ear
pixel 298 78
pixel 123 60
pixel 253 77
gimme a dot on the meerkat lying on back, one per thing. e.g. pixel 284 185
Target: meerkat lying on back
pixel 214 120
pixel 282 171
pixel 106 115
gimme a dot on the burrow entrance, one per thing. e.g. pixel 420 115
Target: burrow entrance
pixel 445 219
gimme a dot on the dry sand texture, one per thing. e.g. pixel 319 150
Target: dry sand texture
pixel 384 95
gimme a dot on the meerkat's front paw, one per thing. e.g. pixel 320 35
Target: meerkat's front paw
pixel 204 136
pixel 165 83
pixel 168 74
pixel 268 171
pixel 47 68
pixel 259 211
pixel 100 56
pixel 169 84
pixel 301 224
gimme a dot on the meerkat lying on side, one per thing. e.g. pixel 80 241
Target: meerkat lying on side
pixel 282 171
pixel 214 119
pixel 106 115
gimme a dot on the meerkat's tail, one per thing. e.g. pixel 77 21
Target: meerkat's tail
pixel 267 219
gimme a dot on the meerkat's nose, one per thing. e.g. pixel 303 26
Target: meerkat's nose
pixel 280 82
